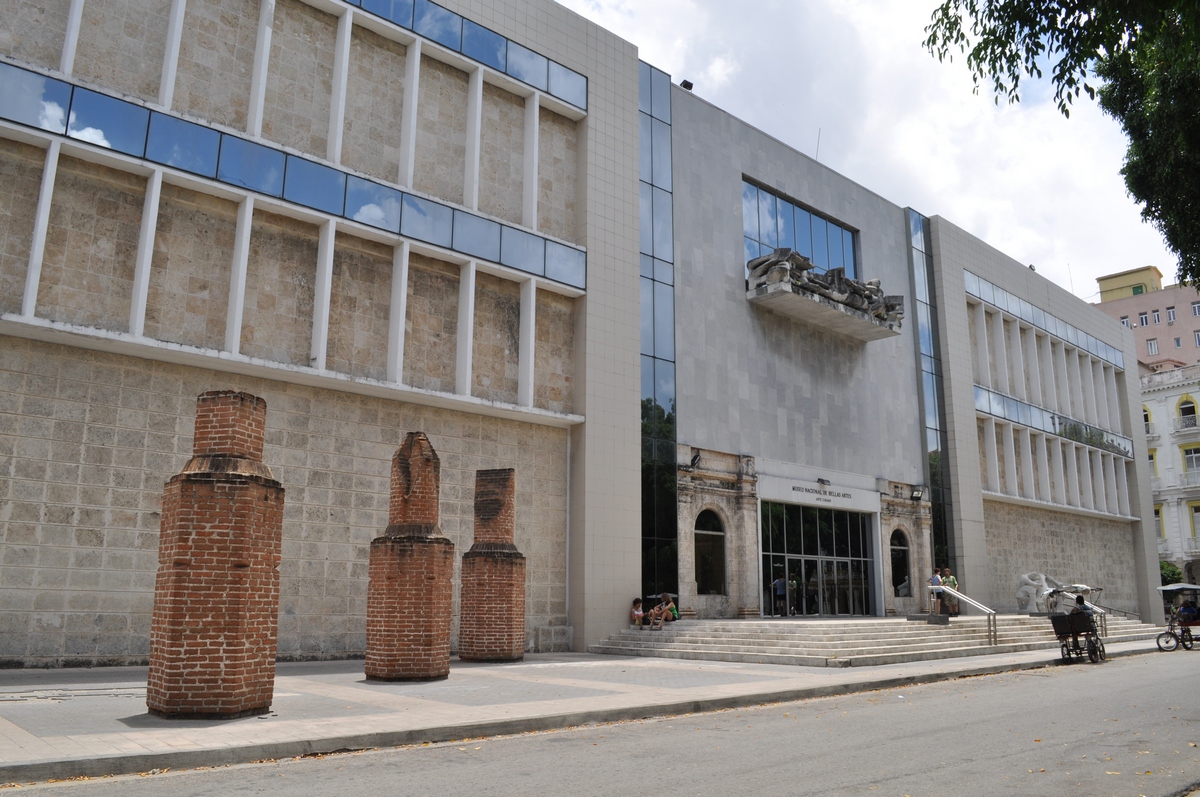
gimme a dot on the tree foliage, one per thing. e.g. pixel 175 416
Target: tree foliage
pixel 1005 40
pixel 1154 92
pixel 1169 573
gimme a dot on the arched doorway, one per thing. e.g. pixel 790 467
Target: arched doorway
pixel 901 570
pixel 710 554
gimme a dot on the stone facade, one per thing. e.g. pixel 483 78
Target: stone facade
pixel 502 154
pixel 122 43
pixel 300 77
pixel 409 592
pixel 554 373
pixel 216 60
pixel 360 304
pixel 558 165
pixel 441 144
pixel 87 272
pixel 34 31
pixel 497 329
pixel 374 105
pixel 280 280
pixel 897 512
pixel 431 329
pixel 493 576
pixel 20 180
pixel 216 596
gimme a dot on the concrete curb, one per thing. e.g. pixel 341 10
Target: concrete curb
pixel 224 756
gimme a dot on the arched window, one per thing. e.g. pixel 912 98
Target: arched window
pixel 901 582
pixel 1187 414
pixel 710 554
pixel 1146 420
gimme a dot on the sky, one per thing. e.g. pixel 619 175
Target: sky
pixel 853 75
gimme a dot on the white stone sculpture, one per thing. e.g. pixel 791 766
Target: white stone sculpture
pixel 1033 591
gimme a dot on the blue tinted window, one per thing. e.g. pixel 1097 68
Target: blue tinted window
pixel 664 235
pixel 664 386
pixel 647 266
pixel 820 243
pixel 664 272
pixel 981 399
pixel 985 291
pixel 523 251
pixel 569 85
pixel 787 225
pixel 476 237
pixel 924 328
pixel 647 315
pixel 664 321
pixel 314 186
pixel 835 245
pixel 662 155
pixel 373 204
pixel 251 166
pixel 525 64
pixel 107 122
pixel 848 254
pixel 749 211
pixel 190 147
pixel 921 276
pixel 566 264
pixel 647 218
pixel 34 100
pixel 971 283
pixel 660 95
pixel 436 23
pixel 768 223
pixel 804 233
pixel 427 221
pixel 644 87
pixel 648 378
pixel 750 249
pixel 398 11
pixel 645 148
pixel 484 45
pixel 916 228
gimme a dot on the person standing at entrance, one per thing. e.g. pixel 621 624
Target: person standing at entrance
pixel 948 580
pixel 935 596
pixel 780 586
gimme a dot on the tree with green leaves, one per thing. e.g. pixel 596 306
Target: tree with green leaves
pixel 1147 55
pixel 1169 573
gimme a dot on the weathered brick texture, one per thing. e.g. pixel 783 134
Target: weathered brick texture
pixel 492 622
pixel 409 591
pixel 216 598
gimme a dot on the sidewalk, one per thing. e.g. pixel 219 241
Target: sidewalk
pixel 72 722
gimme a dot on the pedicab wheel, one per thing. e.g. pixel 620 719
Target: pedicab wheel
pixel 1100 644
pixel 1066 652
pixel 1093 651
pixel 1185 637
pixel 1167 641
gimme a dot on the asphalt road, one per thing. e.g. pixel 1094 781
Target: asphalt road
pixel 1125 727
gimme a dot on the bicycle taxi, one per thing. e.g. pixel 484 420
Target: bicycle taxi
pixel 1077 636
pixel 1180 603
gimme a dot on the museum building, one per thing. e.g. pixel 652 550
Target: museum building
pixel 403 216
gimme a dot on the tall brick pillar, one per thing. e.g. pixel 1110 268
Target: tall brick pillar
pixel 412 564
pixel 216 596
pixel 492 617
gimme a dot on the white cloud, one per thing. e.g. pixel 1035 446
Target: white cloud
pixel 92 135
pixel 1041 188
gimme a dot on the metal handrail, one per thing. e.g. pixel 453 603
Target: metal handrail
pixel 1124 612
pixel 993 633
pixel 1098 612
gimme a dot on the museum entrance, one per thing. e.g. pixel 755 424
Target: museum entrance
pixel 816 562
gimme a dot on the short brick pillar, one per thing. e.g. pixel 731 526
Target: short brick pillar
pixel 491 624
pixel 216 596
pixel 409 590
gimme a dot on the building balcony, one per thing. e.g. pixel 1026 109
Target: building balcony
pixel 1189 478
pixel 1151 431
pixel 1185 427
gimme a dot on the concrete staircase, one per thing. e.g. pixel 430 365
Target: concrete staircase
pixel 848 643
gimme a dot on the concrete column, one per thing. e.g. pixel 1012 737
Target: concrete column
pixel 529 210
pixel 1087 496
pixel 1062 378
pixel 1011 486
pixel 1040 443
pixel 237 276
pixel 1075 381
pixel 66 63
pixel 1057 463
pixel 1016 360
pixel 145 254
pixel 999 353
pixel 1033 368
pixel 408 121
pixel 528 342
pixel 397 312
pixel 41 223
pixel 1116 419
pixel 1046 361
pixel 1027 475
pixel 409 588
pixel 166 86
pixel 474 132
pixel 492 616
pixel 337 99
pixel 983 366
pixel 1123 486
pixel 258 77
pixel 466 329
pixel 1103 420
pixel 1087 387
pixel 214 627
pixel 321 296
pixel 1071 466
pixel 991 457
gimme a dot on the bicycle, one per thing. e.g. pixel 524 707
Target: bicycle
pixel 1175 635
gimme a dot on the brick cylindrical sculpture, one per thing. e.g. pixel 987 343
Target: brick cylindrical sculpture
pixel 409 588
pixel 492 618
pixel 216 596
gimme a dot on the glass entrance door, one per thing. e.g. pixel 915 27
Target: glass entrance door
pixel 816 561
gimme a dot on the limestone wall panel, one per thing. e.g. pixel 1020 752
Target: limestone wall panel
pixel 216 60
pixel 91 437
pixel 20 180
pixel 34 31
pixel 121 45
pixel 558 156
pixel 431 324
pixel 188 296
pixel 91 245
pixel 502 154
pixel 359 307
pixel 300 77
pixel 441 145
pixel 280 279
pixel 554 353
pixel 1075 549
pixel 374 105
pixel 497 342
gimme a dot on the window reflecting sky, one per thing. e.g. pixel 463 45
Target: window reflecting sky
pixel 523 251
pixel 398 11
pixel 251 166
pixel 190 147
pixel 373 204
pixel 436 23
pixel 108 122
pixel 568 85
pixel 476 237
pixel 315 186
pixel 427 221
pixel 484 45
pixel 524 64
pixel 33 100
pixel 566 264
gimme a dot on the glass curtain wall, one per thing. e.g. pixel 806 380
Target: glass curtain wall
pixel 770 222
pixel 823 557
pixel 660 547
pixel 932 396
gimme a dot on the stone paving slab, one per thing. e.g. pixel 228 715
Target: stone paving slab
pixel 69 723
